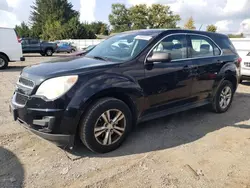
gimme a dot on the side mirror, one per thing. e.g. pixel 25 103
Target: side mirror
pixel 159 57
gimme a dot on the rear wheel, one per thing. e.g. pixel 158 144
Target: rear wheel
pixel 3 62
pixel 106 125
pixel 42 54
pixel 49 52
pixel 223 97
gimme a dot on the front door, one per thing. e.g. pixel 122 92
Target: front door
pixel 25 45
pixel 168 84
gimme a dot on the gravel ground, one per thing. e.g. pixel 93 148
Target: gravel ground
pixel 196 148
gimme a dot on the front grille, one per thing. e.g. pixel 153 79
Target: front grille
pixel 21 99
pixel 247 64
pixel 26 82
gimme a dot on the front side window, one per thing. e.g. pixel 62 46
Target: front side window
pixel 121 47
pixel 175 45
pixel 203 47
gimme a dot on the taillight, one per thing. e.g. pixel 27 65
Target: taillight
pixel 239 61
pixel 18 39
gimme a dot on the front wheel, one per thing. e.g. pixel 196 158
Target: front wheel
pixel 106 125
pixel 223 97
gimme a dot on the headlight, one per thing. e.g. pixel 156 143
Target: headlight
pixel 56 87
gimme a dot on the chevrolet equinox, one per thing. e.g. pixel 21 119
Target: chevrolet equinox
pixel 129 78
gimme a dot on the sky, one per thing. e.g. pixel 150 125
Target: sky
pixel 230 16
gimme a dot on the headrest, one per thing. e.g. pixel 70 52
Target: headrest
pixel 177 46
pixel 205 47
pixel 167 45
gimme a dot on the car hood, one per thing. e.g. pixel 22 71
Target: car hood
pixel 65 66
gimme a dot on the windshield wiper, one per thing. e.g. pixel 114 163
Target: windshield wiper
pixel 100 58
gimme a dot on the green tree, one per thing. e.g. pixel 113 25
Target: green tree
pixel 241 35
pixel 52 30
pixel 104 30
pixel 119 18
pixel 160 16
pixel 212 28
pixel 190 24
pixel 98 27
pixel 75 30
pixel 23 30
pixel 139 16
pixel 142 17
pixel 43 10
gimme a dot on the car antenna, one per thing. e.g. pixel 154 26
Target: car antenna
pixel 200 27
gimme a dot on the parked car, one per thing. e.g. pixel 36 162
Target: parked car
pixel 10 47
pixel 30 45
pixel 100 97
pixel 245 66
pixel 84 52
pixel 65 47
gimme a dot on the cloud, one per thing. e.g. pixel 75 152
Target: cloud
pixel 4 5
pixel 223 25
pixel 245 26
pixel 87 10
pixel 227 14
pixel 13 12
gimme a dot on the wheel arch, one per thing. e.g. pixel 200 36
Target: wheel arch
pixel 233 80
pixel 127 98
pixel 1 53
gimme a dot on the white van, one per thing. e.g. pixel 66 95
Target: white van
pixel 10 47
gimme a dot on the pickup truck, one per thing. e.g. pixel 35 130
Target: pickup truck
pixel 30 45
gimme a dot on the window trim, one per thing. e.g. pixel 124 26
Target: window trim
pixel 188 58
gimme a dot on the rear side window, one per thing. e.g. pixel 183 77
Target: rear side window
pixel 25 41
pixel 228 47
pixel 34 41
pixel 202 47
pixel 176 45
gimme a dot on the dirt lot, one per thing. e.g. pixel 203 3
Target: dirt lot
pixel 196 148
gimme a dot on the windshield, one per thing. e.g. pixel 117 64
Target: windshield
pixel 121 47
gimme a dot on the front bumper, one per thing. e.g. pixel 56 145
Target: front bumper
pixel 42 123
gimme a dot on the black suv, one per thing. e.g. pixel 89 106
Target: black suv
pixel 129 78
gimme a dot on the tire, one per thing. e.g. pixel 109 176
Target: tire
pixel 217 106
pixel 3 62
pixel 240 81
pixel 49 52
pixel 93 119
pixel 42 54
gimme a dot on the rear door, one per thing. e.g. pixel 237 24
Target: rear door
pixel 25 45
pixel 168 84
pixel 206 55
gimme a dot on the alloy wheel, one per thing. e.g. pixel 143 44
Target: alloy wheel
pixel 225 97
pixel 49 52
pixel 110 127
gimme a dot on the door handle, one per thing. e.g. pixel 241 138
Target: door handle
pixel 186 68
pixel 220 61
